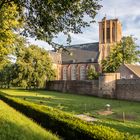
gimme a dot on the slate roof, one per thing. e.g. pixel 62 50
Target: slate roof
pixel 81 53
pixel 134 68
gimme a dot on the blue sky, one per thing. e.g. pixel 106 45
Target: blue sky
pixel 127 11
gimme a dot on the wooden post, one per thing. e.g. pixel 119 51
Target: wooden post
pixel 123 117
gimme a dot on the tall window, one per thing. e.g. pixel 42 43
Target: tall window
pixel 113 32
pixel 65 73
pixel 108 34
pixel 73 72
pixel 103 35
pixel 82 73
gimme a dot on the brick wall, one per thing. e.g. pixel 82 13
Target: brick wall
pixel 77 87
pixel 128 89
pixel 108 85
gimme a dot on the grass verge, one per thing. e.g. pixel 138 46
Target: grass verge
pixel 65 124
pixel 77 104
pixel 15 126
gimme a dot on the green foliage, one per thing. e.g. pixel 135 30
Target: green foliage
pixel 124 52
pixel 92 74
pixel 46 18
pixel 9 22
pixel 15 126
pixel 76 104
pixel 65 124
pixel 6 76
pixel 33 67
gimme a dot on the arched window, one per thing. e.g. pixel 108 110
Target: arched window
pixel 73 72
pixel 65 73
pixel 82 73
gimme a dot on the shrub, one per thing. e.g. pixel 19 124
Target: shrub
pixel 65 124
pixel 92 74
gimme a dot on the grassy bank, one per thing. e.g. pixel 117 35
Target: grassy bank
pixel 77 104
pixel 65 124
pixel 15 126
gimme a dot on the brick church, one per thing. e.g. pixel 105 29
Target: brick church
pixel 75 66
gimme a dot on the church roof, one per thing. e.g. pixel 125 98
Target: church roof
pixel 87 46
pixel 81 53
pixel 134 68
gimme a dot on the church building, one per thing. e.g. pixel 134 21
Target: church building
pixel 75 66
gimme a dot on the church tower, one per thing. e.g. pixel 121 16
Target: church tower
pixel 110 32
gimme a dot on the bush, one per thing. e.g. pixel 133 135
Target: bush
pixel 65 124
pixel 92 74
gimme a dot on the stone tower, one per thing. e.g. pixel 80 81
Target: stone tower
pixel 110 32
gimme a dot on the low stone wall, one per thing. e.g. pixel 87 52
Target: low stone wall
pixel 109 86
pixel 128 89
pixel 77 87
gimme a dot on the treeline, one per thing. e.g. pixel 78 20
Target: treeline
pixel 30 69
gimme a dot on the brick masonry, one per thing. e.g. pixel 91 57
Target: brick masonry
pixel 109 85
pixel 128 89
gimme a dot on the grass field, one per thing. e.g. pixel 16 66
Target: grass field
pixel 77 104
pixel 15 126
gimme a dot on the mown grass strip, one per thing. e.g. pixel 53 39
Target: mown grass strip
pixel 77 104
pixel 65 124
pixel 15 126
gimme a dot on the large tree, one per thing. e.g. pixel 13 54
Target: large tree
pixel 9 22
pixel 124 52
pixel 6 75
pixel 44 19
pixel 33 67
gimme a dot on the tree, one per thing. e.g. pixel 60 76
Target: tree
pixel 91 73
pixel 44 19
pixel 6 75
pixel 33 67
pixel 9 22
pixel 125 52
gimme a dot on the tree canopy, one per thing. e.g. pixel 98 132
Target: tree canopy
pixel 125 52
pixel 44 19
pixel 33 67
pixel 9 22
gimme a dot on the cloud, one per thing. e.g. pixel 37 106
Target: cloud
pixel 40 43
pixel 127 11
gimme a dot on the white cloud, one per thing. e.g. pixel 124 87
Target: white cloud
pixel 40 43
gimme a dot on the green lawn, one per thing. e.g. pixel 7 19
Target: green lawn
pixel 15 126
pixel 78 104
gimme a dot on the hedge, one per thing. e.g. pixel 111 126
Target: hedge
pixel 65 124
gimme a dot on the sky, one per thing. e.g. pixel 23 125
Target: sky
pixel 127 11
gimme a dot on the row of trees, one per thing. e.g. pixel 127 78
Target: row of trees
pixel 31 68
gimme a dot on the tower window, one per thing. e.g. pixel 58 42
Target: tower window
pixel 113 32
pixel 103 35
pixel 108 34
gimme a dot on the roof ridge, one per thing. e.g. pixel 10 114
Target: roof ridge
pixel 82 44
